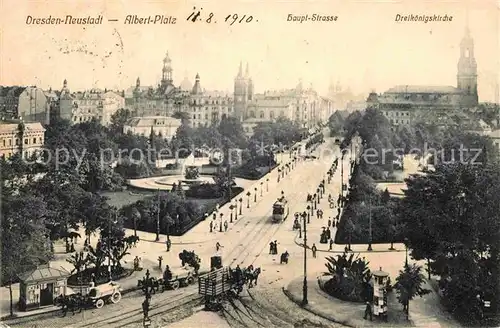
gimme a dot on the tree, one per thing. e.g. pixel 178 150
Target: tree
pixel 119 119
pixel 231 128
pixel 409 284
pixel 78 260
pixel 24 237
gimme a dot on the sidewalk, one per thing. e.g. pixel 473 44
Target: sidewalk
pixel 346 313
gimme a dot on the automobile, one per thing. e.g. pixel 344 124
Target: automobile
pixel 109 292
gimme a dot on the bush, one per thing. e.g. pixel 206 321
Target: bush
pixel 101 277
pixel 350 278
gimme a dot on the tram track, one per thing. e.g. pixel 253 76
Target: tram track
pixel 260 232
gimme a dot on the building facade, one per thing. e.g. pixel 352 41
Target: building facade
pixel 402 104
pixel 79 107
pixel 27 103
pixel 163 126
pixel 18 136
pixel 204 107
pixel 301 105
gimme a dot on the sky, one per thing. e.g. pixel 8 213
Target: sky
pixel 365 49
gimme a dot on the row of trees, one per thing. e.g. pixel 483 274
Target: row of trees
pixel 449 217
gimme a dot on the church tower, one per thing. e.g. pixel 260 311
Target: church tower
pixel 240 94
pixel 166 73
pixel 467 71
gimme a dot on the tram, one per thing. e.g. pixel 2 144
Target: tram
pixel 280 209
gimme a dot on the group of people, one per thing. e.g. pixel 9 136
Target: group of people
pixel 273 247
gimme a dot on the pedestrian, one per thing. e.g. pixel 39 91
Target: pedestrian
pixel 346 249
pixel 317 213
pixel 168 243
pixel 328 233
pixel 225 225
pixel 333 224
pixel 368 311
pixel 211 226
pixel 218 246
pixel 214 216
pixel 329 222
pixel 314 249
pixel 331 243
pixel 275 247
pixel 271 248
pixel 215 227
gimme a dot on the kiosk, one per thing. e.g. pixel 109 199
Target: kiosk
pixel 380 293
pixel 39 287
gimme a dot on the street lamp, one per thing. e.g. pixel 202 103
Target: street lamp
pixel 221 215
pixel 235 209
pixel 370 224
pixel 279 174
pixel 231 208
pixel 241 205
pixel 158 219
pixel 304 286
pixel 406 251
pixel 248 199
pixel 261 183
pixel 255 195
pixel 267 184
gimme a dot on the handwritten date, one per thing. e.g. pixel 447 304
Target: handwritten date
pixel 198 16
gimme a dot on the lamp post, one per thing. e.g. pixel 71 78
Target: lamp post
pixel 304 287
pixel 308 213
pixel 370 224
pixel 231 208
pixel 235 209
pixel 248 199
pixel 267 184
pixel 158 219
pixel 406 251
pixel 221 215
pixel 241 205
pixel 255 195
pixel 279 174
pixel 261 183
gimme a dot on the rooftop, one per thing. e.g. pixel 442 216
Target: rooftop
pixel 423 89
pixel 43 273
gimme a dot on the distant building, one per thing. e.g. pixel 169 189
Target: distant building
pixel 30 103
pixel 33 135
pixel 301 105
pixel 345 99
pixel 79 107
pixel 204 107
pixel 403 103
pixel 163 126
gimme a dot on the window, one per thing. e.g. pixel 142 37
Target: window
pixel 261 115
pixel 194 116
pixel 271 115
pixel 4 142
pixel 206 116
pixel 10 142
pixel 34 140
pixel 17 142
pixel 251 114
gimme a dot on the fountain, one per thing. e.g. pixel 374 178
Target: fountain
pixel 190 173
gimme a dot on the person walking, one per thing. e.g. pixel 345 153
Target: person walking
pixel 368 311
pixel 211 226
pixel 225 225
pixel 331 244
pixel 275 247
pixel 314 249
pixel 329 222
pixel 271 248
pixel 218 246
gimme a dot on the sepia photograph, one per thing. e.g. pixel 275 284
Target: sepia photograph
pixel 249 163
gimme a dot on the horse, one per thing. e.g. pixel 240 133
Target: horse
pixel 254 276
pixel 71 303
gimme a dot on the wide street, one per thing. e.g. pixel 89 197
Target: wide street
pixel 245 243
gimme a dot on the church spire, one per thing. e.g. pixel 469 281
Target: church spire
pixel 240 71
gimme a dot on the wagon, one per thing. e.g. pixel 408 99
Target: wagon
pixel 183 276
pixel 102 294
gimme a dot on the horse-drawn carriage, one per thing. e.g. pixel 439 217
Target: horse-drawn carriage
pixel 96 296
pixel 171 280
pixel 225 282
